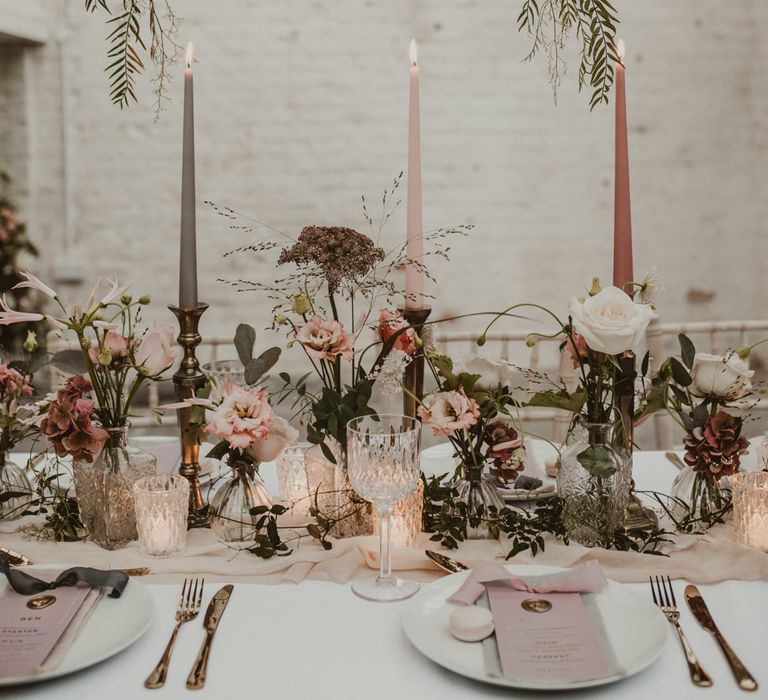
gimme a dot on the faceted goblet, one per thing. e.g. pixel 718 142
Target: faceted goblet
pixel 383 467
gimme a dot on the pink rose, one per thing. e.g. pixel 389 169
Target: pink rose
pixel 243 416
pixel 281 434
pixel 579 352
pixel 114 344
pixel 325 340
pixel 448 411
pixel 156 352
pixel 390 322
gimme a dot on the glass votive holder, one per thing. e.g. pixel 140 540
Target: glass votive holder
pixel 750 508
pixel 762 453
pixel 406 519
pixel 292 475
pixel 161 504
pixel 321 479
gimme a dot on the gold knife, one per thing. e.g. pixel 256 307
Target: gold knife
pixel 445 563
pixel 701 612
pixel 216 607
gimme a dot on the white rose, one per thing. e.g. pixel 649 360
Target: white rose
pixel 493 373
pixel 610 322
pixel 281 434
pixel 726 377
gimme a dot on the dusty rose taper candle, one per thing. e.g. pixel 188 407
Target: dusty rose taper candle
pixel 623 272
pixel 414 249
pixel 188 248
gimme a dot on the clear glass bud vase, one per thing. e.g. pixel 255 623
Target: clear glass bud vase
pixel 481 498
pixel 13 480
pixel 104 489
pixel 594 481
pixel 700 500
pixel 231 519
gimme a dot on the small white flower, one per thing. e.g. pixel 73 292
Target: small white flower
pixel 652 287
pixel 390 376
pixel 31 282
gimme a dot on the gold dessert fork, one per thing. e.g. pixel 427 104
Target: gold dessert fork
pixel 188 608
pixel 668 605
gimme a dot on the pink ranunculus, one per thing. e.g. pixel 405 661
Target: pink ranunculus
pixel 243 416
pixel 155 354
pixel 115 344
pixel 392 322
pixel 448 411
pixel 325 339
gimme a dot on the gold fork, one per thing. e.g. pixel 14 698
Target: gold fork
pixel 188 608
pixel 668 605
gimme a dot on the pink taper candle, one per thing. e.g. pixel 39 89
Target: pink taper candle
pixel 414 249
pixel 188 248
pixel 623 272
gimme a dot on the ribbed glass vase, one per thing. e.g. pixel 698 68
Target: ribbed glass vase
pixel 481 498
pixel 104 489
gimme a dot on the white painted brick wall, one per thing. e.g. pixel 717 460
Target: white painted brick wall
pixel 301 108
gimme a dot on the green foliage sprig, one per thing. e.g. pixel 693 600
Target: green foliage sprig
pixel 551 22
pixel 129 22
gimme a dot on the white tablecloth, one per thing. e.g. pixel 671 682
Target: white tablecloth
pixel 318 640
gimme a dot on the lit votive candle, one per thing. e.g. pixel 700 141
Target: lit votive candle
pixel 292 476
pixel 406 519
pixel 750 508
pixel 161 504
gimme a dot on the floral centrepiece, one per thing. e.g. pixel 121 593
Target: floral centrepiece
pixel 87 419
pixel 603 328
pixel 701 392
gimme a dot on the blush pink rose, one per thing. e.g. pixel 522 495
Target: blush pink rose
pixel 448 411
pixel 243 416
pixel 116 344
pixel 325 339
pixel 155 354
pixel 391 322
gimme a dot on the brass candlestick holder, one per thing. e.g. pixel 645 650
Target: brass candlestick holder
pixel 188 379
pixel 637 516
pixel 413 379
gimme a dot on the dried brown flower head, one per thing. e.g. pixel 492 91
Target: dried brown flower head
pixel 504 449
pixel 340 253
pixel 716 448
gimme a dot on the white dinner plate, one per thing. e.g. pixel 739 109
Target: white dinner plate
pixel 636 629
pixel 114 625
pixel 522 496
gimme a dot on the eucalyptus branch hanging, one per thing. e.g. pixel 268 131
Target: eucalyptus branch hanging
pixel 129 22
pixel 551 22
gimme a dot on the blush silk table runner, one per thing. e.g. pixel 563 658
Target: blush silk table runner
pixel 708 558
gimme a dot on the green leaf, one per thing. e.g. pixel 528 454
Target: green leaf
pixel 687 350
pixel 255 369
pixel 218 450
pixel 70 362
pixel 597 460
pixel 245 339
pixel 679 373
pixel 572 402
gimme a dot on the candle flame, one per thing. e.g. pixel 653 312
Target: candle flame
pixel 413 51
pixel 620 50
pixel 190 54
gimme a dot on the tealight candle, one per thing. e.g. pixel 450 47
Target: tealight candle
pixel 750 508
pixel 292 476
pixel 161 504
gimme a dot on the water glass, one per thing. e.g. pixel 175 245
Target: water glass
pixel 161 504
pixel 383 467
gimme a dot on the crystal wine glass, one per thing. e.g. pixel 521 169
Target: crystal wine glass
pixel 383 467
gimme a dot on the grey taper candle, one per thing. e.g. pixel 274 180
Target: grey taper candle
pixel 188 250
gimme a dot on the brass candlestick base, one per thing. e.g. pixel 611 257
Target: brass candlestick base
pixel 413 379
pixel 188 379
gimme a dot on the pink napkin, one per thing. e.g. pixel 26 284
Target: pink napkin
pixel 588 578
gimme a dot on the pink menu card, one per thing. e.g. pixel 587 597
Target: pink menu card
pixel 28 634
pixel 545 637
